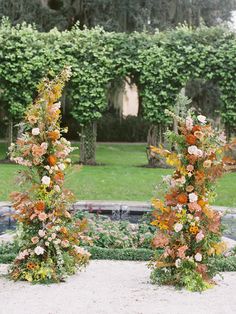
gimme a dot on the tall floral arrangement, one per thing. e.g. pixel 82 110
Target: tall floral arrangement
pixel 48 237
pixel 188 229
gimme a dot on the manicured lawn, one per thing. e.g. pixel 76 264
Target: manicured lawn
pixel 120 178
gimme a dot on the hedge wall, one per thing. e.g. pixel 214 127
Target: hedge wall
pixel 160 65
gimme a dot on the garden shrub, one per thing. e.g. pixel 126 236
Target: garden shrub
pixel 159 64
pixel 106 233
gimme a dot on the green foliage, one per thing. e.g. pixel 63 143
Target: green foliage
pixel 113 15
pixel 127 254
pixel 217 264
pixel 106 233
pixel 160 64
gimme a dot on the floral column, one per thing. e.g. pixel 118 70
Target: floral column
pixel 189 230
pixel 48 238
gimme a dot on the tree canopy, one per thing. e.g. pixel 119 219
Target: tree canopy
pixel 120 16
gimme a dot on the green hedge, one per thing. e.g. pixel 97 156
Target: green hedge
pixel 121 254
pixel 9 251
pixel 160 64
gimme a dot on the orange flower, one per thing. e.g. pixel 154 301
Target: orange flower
pixel 201 202
pixel 31 265
pixel 192 159
pixel 190 139
pixel 200 176
pixel 182 198
pixel 196 128
pixel 193 229
pixel 52 160
pixel 40 206
pixel 64 230
pixel 54 135
pixel 59 176
pixel 194 206
pixel 160 240
pixel 199 134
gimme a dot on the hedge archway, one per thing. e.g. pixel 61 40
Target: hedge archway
pixel 159 64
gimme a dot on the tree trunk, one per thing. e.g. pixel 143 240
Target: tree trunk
pixel 155 138
pixel 88 144
pixel 9 136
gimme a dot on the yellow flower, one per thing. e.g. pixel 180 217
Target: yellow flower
pixel 220 248
pixel 155 223
pixel 163 226
pixel 173 160
pixel 211 251
pixel 158 204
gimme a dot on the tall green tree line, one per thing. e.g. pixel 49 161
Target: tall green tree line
pixel 120 16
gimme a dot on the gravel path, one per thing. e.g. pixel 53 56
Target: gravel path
pixel 114 287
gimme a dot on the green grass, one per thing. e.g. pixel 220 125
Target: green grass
pixel 120 178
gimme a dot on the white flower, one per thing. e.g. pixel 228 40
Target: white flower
pixel 192 197
pixel 54 235
pixel 179 207
pixel 41 233
pixel 178 263
pixel 46 180
pixel 200 236
pixel 201 118
pixel 189 123
pixel 198 257
pixel 192 150
pixel 22 255
pixel 39 250
pixel 199 153
pixel 57 188
pixel 35 131
pixel 190 216
pixel 44 145
pixel 61 166
pixel 47 243
pixel 178 227
pixel 82 251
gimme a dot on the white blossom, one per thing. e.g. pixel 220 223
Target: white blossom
pixel 178 227
pixel 192 197
pixel 39 250
pixel 46 180
pixel 198 257
pixel 201 118
pixel 35 131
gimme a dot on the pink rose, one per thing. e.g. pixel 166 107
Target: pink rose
pixel 200 236
pixel 181 251
pixel 42 216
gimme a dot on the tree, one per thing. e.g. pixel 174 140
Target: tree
pixel 120 16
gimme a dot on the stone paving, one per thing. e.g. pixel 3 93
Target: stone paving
pixel 114 287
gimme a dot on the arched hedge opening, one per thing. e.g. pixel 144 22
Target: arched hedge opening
pixel 159 64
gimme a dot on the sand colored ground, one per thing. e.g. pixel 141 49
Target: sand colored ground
pixel 114 287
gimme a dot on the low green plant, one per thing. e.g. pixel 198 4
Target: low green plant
pixel 106 233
